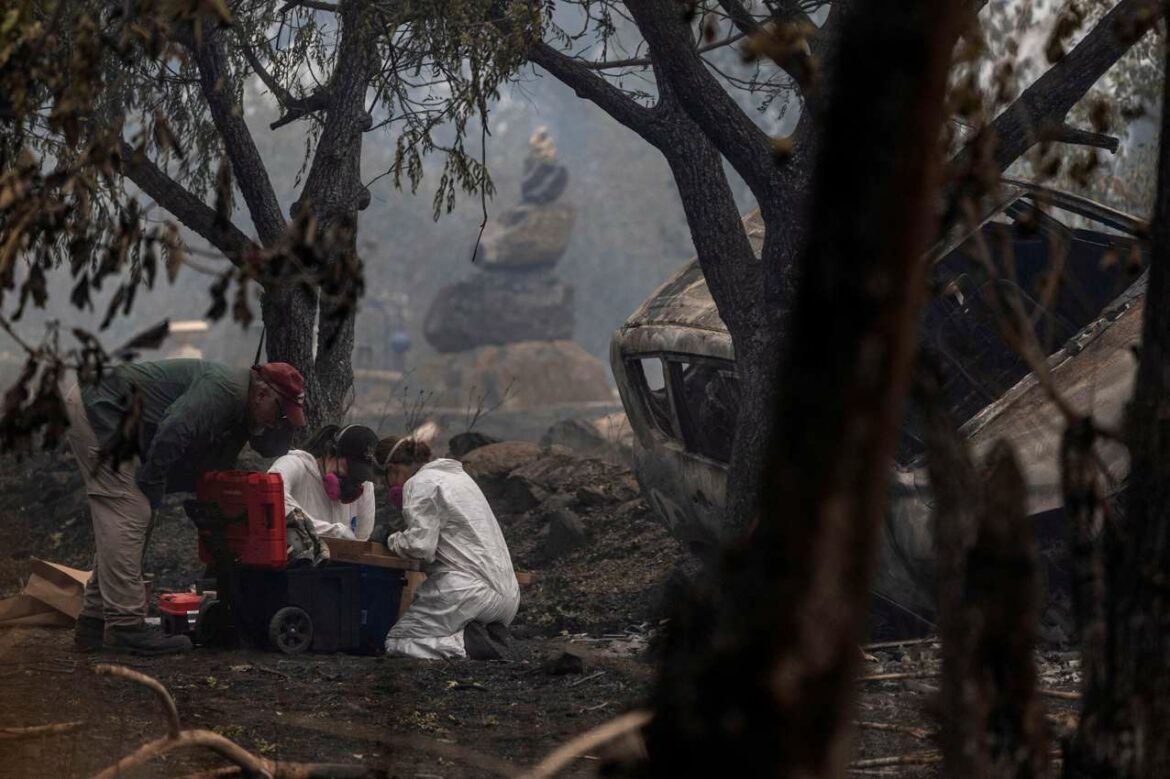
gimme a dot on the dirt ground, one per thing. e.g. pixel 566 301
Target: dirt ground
pixel 600 601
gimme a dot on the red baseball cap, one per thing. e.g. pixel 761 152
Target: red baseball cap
pixel 289 384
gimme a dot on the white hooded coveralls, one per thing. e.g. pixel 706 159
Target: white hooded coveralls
pixel 451 527
pixel 305 490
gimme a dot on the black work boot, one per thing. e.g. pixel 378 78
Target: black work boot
pixel 502 637
pixel 477 643
pixel 145 640
pixel 88 633
pixel 483 642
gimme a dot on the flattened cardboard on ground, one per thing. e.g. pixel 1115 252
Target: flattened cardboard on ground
pixel 51 596
pixel 26 611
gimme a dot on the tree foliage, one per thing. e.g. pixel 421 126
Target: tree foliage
pixel 154 94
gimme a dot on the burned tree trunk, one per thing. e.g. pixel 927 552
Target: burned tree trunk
pixel 957 495
pixel 1084 507
pixel 333 195
pixel 1003 596
pixel 769 693
pixel 992 723
pixel 1129 733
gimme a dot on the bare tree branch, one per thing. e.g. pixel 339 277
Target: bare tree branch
pixel 1052 96
pixel 644 61
pixel 743 19
pixel 283 96
pixel 738 138
pixel 295 107
pixel 299 108
pixel 317 5
pixel 1066 133
pixel 184 206
pixel 588 85
pixel 250 173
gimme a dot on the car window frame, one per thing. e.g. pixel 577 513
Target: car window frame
pixel 642 388
pixel 682 417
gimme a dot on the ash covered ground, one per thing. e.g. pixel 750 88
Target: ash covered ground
pixel 604 564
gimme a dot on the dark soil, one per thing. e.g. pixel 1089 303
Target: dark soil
pixel 415 718
pixel 601 601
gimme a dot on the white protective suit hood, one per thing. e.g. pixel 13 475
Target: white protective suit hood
pixel 452 529
pixel 304 490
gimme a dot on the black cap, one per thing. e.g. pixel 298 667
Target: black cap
pixel 356 444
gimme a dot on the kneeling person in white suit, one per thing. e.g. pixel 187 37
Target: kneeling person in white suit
pixel 451 528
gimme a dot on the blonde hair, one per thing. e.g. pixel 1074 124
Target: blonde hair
pixel 413 449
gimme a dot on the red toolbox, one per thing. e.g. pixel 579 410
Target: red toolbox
pixel 252 505
pixel 179 611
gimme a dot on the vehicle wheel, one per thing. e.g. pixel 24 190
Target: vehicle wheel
pixel 291 630
pixel 213 626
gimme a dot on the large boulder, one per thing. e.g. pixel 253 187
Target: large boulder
pixel 544 178
pixel 499 308
pixel 490 466
pixel 463 444
pixel 517 376
pixel 491 463
pixel 543 182
pixel 527 237
pixel 607 438
pixel 561 479
pixel 565 532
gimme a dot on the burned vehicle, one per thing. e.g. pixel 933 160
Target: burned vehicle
pixel 674 365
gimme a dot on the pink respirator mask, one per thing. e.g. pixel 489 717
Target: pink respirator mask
pixel 342 489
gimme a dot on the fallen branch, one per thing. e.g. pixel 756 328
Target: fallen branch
pixel 898 676
pixel 36 731
pixel 912 758
pixel 565 754
pixel 246 764
pixel 896 644
pixel 229 749
pixel 1061 694
pixel 215 773
pixel 584 679
pixel 293 771
pixel 910 730
pixel 147 681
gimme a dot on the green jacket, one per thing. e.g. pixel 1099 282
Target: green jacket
pixel 193 418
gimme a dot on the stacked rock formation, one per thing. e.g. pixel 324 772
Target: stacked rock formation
pixel 516 297
pixel 505 333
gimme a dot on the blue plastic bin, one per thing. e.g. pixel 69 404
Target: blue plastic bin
pixel 380 596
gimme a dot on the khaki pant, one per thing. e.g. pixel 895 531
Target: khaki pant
pixel 121 526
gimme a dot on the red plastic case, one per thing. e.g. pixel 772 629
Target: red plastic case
pixel 257 499
pixel 179 603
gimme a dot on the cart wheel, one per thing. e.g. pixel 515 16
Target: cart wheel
pixel 213 626
pixel 291 630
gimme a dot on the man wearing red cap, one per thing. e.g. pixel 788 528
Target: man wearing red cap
pixel 175 419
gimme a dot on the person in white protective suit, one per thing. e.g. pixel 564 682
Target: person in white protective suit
pixel 328 488
pixel 470 582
